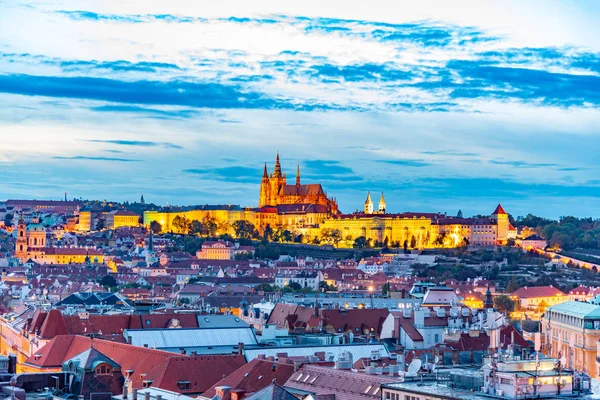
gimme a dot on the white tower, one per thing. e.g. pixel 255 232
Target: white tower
pixel 369 204
pixel 381 208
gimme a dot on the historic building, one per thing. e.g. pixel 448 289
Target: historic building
pixel 274 191
pixel 32 244
pixel 419 230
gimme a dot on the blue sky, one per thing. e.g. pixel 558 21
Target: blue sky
pixel 441 106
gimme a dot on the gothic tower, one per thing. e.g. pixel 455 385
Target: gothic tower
pixel 21 244
pixel 369 204
pixel 263 199
pixel 381 208
pixel 277 181
pixel 298 175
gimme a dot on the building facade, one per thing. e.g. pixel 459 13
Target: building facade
pixel 572 330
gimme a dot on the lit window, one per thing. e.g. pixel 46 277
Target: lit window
pixel 368 388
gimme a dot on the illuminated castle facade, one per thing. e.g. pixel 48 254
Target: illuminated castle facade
pixel 274 191
pixel 305 209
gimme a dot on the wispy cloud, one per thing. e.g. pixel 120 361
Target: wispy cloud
pixel 89 158
pixel 136 143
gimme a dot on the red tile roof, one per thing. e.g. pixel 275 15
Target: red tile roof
pixel 499 210
pixel 163 368
pixel 254 376
pixel 346 385
pixel 529 292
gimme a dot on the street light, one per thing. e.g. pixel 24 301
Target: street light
pixel 371 293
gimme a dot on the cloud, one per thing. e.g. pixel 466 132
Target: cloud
pixel 95 158
pixel 238 173
pixel 406 163
pixel 152 112
pixel 451 153
pixel 332 167
pixel 176 92
pixel 522 84
pixel 127 18
pixel 137 143
pixel 522 164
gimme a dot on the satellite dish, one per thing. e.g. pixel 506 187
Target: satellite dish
pixel 563 360
pixel 414 367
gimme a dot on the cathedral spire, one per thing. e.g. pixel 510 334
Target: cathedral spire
pixel 298 175
pixel 265 174
pixel 277 167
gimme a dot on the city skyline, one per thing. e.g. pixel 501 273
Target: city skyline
pixel 440 108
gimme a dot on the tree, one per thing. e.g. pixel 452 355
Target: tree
pixel 196 228
pixel 265 287
pixel 385 289
pixel 156 227
pixel 287 236
pixel 510 242
pixel 295 286
pixel 181 224
pixel 512 286
pixel 360 242
pixel 108 281
pixel 244 229
pixel 244 255
pixel 336 236
pixel 210 226
pixel 413 242
pixel 100 224
pixel 8 220
pixel 504 303
pixel 267 233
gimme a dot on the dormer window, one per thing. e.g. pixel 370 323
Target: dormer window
pixel 103 369
pixel 184 385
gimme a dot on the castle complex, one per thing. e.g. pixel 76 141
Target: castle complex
pixel 274 191
pixel 305 209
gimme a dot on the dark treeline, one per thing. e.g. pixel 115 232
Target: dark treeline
pixel 568 232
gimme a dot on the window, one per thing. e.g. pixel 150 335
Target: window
pixel 184 385
pixel 103 369
pixel 368 388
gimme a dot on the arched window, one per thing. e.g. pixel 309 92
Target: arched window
pixel 21 233
pixel 20 247
pixel 35 241
pixel 103 369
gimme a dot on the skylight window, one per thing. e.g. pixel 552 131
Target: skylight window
pixel 368 388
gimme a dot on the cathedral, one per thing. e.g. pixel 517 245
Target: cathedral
pixel 274 190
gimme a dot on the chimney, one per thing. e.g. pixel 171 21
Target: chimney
pixel 221 391
pixel 134 393
pixel 128 339
pixel 159 397
pixel 237 394
pixel 182 350
pixel 240 348
pixel 147 395
pixel 124 392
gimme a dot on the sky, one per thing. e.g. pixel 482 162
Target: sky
pixel 440 105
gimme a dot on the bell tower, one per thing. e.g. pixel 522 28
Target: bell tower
pixel 369 204
pixel 382 207
pixel 21 244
